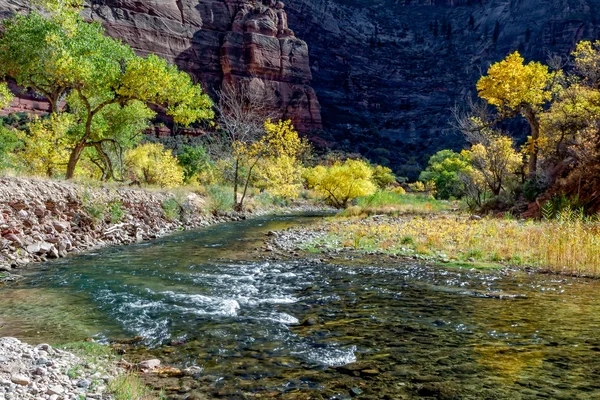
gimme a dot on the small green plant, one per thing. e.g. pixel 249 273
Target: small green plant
pixel 129 387
pixel 75 371
pixel 95 208
pixel 266 199
pixel 475 253
pixel 88 349
pixel 172 209
pixel 406 240
pixel 219 199
pixel 115 209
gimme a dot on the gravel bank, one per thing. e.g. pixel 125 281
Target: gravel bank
pixel 45 373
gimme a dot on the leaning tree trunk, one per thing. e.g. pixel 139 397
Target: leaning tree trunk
pixel 81 144
pixel 235 184
pixel 74 159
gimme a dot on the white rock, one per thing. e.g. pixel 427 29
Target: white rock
pixel 149 364
pixel 55 390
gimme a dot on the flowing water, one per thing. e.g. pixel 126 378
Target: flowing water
pixel 304 329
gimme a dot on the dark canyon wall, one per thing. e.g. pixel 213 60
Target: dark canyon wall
pixel 386 72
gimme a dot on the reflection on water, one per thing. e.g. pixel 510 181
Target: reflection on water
pixel 303 328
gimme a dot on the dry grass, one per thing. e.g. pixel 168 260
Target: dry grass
pixel 571 246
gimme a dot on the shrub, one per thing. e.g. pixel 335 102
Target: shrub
pixel 444 170
pixel 383 176
pixel 196 163
pixel 266 199
pixel 151 164
pixel 172 209
pixel 9 142
pixel 398 190
pixel 95 208
pixel 115 209
pixel 220 199
pixel 129 387
pixel 341 183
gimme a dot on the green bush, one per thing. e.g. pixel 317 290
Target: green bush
pixel 95 208
pixel 115 209
pixel 219 199
pixel 444 170
pixel 194 160
pixel 172 209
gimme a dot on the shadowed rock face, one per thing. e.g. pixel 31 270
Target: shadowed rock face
pixel 394 68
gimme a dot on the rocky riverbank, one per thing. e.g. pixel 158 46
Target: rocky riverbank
pixel 42 219
pixel 45 373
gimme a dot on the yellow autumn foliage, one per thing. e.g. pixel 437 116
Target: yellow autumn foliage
pixel 341 183
pixel 511 84
pixel 152 164
pixel 275 159
pixel 45 151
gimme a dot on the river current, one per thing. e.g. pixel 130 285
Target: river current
pixel 307 329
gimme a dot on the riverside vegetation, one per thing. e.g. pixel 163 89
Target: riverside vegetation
pixel 103 101
pixel 419 226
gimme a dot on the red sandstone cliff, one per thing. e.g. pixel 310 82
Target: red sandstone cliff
pixel 216 41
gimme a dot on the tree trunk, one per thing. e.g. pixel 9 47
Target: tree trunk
pixel 76 153
pixel 74 158
pixel 235 184
pixel 240 206
pixel 535 136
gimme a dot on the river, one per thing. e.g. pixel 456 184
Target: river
pixel 306 329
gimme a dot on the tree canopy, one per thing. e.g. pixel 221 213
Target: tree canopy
pixel 64 57
pixel 514 88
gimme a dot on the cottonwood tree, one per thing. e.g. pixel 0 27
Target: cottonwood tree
pixel 496 160
pixel 278 156
pixel 64 56
pixel 341 182
pixel 242 110
pixel 516 88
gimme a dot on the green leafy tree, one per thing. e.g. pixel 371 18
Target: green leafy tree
pixel 444 170
pixel 195 161
pixel 64 56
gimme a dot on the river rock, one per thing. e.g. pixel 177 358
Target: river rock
pixel 149 364
pixel 20 380
pixel 54 389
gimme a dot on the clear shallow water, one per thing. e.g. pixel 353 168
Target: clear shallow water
pixel 303 329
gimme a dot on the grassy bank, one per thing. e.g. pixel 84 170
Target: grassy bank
pixel 102 359
pixel 438 231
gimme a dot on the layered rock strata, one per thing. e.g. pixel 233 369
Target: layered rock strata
pixel 216 41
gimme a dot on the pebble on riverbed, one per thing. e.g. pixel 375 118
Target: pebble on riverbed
pixel 40 373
